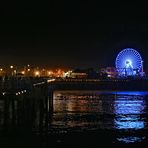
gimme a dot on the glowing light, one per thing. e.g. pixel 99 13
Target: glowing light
pixel 129 124
pixel 135 93
pixel 15 71
pixel 28 69
pixel 128 112
pixel 4 93
pixel 131 139
pixel 11 66
pixel 128 62
pixel 68 73
pixel 51 80
pixel 1 69
pixel 23 72
pixel 37 73
pixel 50 72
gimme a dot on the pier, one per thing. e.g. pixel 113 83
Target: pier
pixel 97 84
pixel 28 110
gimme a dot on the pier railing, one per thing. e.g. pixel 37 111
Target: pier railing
pixel 26 110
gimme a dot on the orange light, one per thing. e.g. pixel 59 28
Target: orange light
pixel 49 72
pixel 23 72
pixel 37 73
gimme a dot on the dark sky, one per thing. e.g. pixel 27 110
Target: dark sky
pixel 70 34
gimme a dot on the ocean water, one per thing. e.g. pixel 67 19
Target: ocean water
pixel 121 117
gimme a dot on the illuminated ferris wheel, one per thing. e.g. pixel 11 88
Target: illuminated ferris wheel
pixel 129 62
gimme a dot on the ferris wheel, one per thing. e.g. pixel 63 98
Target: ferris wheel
pixel 129 62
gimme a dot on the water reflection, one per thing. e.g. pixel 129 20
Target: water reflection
pixel 131 139
pixel 76 102
pixel 129 110
pixel 76 109
pixel 102 110
pixel 129 123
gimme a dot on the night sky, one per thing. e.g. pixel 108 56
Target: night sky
pixel 71 34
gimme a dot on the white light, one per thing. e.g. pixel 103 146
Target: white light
pixel 128 62
pixel 4 93
pixel 51 80
pixel 11 66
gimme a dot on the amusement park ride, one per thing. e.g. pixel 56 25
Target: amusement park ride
pixel 129 63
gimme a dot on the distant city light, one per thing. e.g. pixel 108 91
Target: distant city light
pixel 37 73
pixel 51 80
pixel 15 71
pixel 49 72
pixel 11 66
pixel 23 72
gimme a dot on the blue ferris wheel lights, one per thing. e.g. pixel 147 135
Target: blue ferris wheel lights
pixel 129 62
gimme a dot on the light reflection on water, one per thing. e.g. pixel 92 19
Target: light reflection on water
pixel 131 139
pixel 94 110
pixel 128 110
